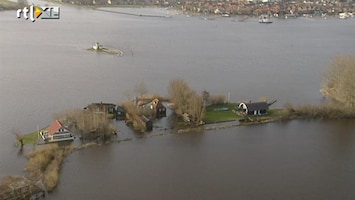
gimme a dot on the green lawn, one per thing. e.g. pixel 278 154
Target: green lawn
pixel 215 113
pixel 218 113
pixel 31 138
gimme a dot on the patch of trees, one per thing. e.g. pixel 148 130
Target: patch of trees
pixel 186 101
pixel 19 137
pixel 90 124
pixel 339 81
pixel 133 117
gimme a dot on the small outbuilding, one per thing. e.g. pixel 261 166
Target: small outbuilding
pixel 157 107
pixel 254 108
pixel 160 111
pixel 120 113
pixel 147 122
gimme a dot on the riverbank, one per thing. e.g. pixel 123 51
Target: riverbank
pixel 224 116
pixel 49 158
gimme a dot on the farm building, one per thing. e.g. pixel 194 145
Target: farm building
pixel 254 108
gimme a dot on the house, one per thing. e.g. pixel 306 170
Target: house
pixel 56 132
pixel 254 108
pixel 159 110
pixel 56 128
pixel 147 123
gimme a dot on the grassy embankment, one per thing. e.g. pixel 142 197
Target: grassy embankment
pixel 44 164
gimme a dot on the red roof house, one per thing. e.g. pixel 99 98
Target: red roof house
pixel 56 127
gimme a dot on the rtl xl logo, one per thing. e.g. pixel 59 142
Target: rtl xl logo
pixel 38 12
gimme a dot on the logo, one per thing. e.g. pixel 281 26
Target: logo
pixel 35 12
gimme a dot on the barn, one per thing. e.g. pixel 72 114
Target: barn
pixel 254 108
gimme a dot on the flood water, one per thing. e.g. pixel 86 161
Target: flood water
pixel 45 69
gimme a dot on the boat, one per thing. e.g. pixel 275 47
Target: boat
pixel 265 19
pixel 97 46
pixel 56 133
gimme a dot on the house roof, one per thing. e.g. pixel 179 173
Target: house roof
pixel 120 109
pixel 257 106
pixel 52 129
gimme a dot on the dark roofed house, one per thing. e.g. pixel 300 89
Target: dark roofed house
pixel 160 110
pixel 255 108
pixel 102 107
pixel 120 113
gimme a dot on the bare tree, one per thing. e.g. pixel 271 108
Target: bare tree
pixel 186 100
pixel 128 95
pixel 19 136
pixel 217 99
pixel 141 89
pixel 180 93
pixel 206 96
pixel 90 124
pixel 197 109
pixel 339 80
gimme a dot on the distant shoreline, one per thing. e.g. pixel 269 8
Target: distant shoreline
pixel 128 13
pixel 9 5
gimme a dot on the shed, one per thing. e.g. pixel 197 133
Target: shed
pixel 254 108
pixel 160 110
pixel 147 122
pixel 120 113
